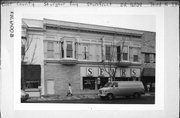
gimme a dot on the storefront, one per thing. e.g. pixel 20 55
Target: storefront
pixel 148 78
pixel 95 77
pixel 31 79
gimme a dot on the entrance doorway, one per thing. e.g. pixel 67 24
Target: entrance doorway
pixel 50 87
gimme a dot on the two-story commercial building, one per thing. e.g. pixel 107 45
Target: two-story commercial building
pixel 81 54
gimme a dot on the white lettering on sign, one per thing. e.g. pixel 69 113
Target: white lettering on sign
pixel 112 70
pixel 120 72
pixel 101 72
pixel 125 72
pixel 135 72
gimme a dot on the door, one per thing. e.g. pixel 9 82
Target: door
pixel 50 87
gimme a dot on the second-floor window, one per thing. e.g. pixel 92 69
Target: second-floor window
pixel 85 52
pixel 118 53
pixel 125 53
pixel 62 49
pixel 69 49
pixel 154 55
pixel 135 54
pixel 108 52
pixel 135 58
pixel 147 58
pixel 50 49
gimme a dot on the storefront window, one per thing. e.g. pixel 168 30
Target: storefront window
pixel 32 84
pixel 88 83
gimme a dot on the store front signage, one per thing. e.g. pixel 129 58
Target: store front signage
pixel 135 72
pixel 124 72
pixel 104 71
pixel 89 72
pixel 120 72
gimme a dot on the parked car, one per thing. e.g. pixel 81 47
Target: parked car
pixel 24 96
pixel 121 88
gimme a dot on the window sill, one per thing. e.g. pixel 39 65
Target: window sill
pixel 68 61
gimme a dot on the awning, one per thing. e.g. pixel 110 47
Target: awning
pixel 150 72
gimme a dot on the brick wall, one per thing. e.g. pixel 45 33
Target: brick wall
pixel 62 75
pixel 148 46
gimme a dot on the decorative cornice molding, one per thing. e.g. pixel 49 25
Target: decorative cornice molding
pixel 73 62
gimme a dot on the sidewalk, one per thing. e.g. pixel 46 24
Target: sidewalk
pixel 76 96
pixel 58 97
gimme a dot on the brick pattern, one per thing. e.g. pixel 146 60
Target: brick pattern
pixel 148 42
pixel 148 46
pixel 62 75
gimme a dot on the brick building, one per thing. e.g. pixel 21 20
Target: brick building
pixel 148 59
pixel 84 55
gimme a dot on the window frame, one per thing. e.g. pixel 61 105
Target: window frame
pixel 118 53
pixel 135 58
pixel 50 50
pixel 146 60
pixel 123 52
pixel 85 53
pixel 67 49
pixel 108 57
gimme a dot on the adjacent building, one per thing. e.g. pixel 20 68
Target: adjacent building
pixel 57 53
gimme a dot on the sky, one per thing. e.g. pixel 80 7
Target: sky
pixel 129 21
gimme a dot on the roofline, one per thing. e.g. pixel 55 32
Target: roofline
pixel 92 27
pixel 89 27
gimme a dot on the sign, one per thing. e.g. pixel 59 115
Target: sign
pixel 89 71
pixel 120 72
pixel 102 72
pixel 135 72
pixel 125 72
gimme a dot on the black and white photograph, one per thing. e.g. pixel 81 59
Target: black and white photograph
pixel 76 60
pixel 64 61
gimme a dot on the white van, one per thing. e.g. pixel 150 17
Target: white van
pixel 121 88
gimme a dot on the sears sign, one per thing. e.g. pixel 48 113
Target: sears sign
pixel 120 72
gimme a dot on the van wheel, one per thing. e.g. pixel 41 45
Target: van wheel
pixel 110 96
pixel 136 95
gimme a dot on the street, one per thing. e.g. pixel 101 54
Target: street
pixel 141 100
